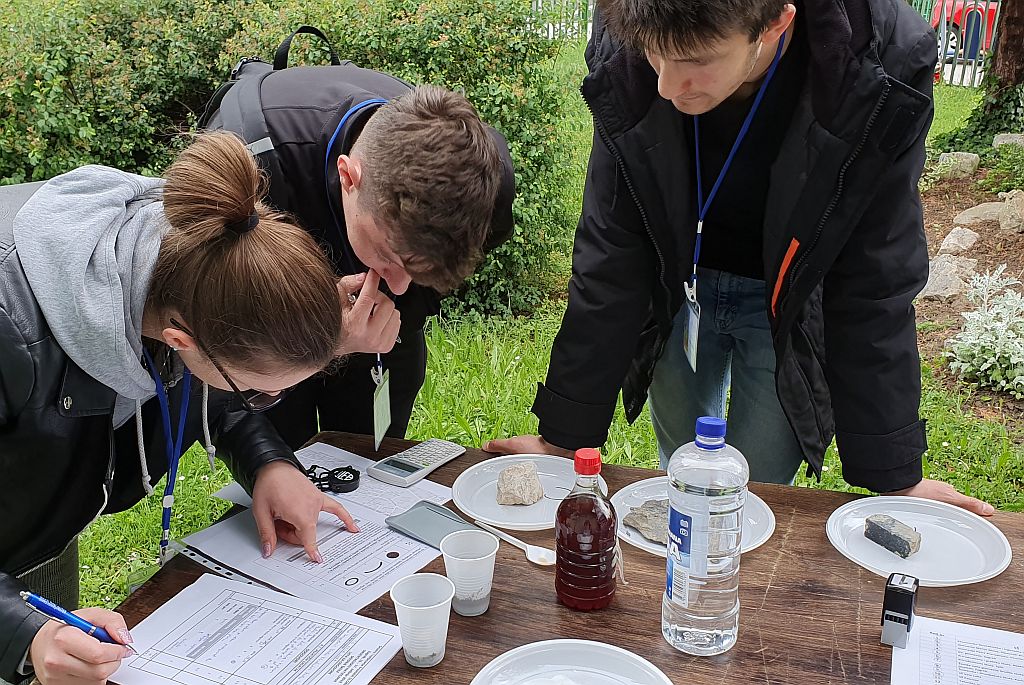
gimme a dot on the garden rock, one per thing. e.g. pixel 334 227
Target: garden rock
pixel 1011 217
pixel 947 277
pixel 959 240
pixel 957 165
pixel 986 211
pixel 1008 139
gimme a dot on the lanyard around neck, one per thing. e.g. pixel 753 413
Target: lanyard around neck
pixel 172 444
pixel 704 205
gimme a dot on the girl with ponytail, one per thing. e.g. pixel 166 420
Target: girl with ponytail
pixel 124 301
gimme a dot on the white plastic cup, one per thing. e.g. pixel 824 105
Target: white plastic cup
pixel 469 562
pixel 423 603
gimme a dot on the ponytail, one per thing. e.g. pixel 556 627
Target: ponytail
pixel 251 284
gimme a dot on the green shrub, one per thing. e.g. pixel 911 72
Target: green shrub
pixel 1005 169
pixel 113 81
pixel 989 350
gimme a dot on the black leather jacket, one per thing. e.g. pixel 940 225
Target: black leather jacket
pixel 62 464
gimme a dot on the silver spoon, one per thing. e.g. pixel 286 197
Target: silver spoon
pixel 542 556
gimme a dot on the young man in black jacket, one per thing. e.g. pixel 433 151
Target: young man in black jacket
pixel 403 184
pixel 789 139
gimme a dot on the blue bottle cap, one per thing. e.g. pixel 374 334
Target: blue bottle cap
pixel 711 427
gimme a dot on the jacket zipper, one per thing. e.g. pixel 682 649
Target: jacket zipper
pixel 840 182
pixel 606 139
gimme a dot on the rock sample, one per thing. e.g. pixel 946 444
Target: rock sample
pixel 957 164
pixel 959 240
pixel 979 214
pixel 520 484
pixel 1011 217
pixel 1001 139
pixel 895 536
pixel 650 519
pixel 947 277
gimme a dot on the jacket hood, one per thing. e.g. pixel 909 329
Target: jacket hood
pixel 622 85
pixel 88 241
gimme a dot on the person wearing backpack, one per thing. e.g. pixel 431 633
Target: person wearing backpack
pixel 123 300
pixel 403 184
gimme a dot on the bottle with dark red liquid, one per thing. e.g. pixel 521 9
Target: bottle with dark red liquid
pixel 585 541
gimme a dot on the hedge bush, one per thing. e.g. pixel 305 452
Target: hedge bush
pixel 113 81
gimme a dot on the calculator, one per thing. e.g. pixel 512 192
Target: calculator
pixel 412 465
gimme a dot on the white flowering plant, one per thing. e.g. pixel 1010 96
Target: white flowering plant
pixel 989 349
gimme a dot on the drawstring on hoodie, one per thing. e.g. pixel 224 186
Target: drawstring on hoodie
pixel 211 451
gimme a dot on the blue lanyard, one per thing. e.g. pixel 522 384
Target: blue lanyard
pixel 704 205
pixel 172 445
pixel 379 367
pixel 327 176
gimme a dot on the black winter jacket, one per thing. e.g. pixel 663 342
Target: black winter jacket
pixel 61 462
pixel 844 245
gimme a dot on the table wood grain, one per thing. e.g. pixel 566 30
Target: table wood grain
pixel 808 615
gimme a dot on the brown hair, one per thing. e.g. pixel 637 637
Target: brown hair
pixel 431 173
pixel 683 27
pixel 258 298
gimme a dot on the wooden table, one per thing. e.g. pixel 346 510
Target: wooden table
pixel 808 615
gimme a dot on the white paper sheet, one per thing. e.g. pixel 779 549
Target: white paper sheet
pixel 946 653
pixel 372 494
pixel 223 632
pixel 358 568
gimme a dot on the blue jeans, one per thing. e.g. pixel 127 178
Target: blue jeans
pixel 734 346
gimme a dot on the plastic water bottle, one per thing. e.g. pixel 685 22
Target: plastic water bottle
pixel 700 611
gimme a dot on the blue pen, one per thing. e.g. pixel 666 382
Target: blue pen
pixel 54 612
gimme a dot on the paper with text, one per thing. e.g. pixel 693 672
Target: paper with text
pixel 358 567
pixel 223 632
pixel 946 653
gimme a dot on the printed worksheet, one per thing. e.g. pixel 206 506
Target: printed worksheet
pixel 946 653
pixel 217 631
pixel 372 495
pixel 358 567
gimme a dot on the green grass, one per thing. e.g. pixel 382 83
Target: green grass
pixel 481 380
pixel 953 104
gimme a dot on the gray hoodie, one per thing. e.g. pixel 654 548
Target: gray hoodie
pixel 88 241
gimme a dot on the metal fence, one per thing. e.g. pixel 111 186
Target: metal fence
pixel 565 19
pixel 966 31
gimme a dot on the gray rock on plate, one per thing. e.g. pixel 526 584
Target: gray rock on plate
pixel 650 519
pixel 520 484
pixel 894 535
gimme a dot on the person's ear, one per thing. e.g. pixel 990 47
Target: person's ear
pixel 350 172
pixel 781 23
pixel 177 339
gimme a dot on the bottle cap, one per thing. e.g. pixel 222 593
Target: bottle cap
pixel 711 427
pixel 588 461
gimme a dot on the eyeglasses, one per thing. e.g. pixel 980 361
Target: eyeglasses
pixel 254 401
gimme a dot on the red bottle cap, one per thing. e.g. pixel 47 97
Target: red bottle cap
pixel 588 461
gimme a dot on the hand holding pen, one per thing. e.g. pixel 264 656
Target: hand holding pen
pixel 81 648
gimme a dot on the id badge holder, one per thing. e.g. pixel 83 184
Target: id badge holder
pixel 381 405
pixel 692 325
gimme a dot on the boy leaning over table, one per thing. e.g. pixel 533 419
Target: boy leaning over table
pixel 812 248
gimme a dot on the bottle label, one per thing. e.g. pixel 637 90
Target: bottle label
pixel 687 557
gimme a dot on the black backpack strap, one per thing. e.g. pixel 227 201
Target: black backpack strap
pixel 242 113
pixel 281 56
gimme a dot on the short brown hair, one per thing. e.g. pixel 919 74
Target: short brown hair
pixel 258 299
pixel 684 27
pixel 431 173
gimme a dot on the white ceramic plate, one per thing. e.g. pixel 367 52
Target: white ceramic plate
pixel 758 519
pixel 475 492
pixel 957 547
pixel 570 662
